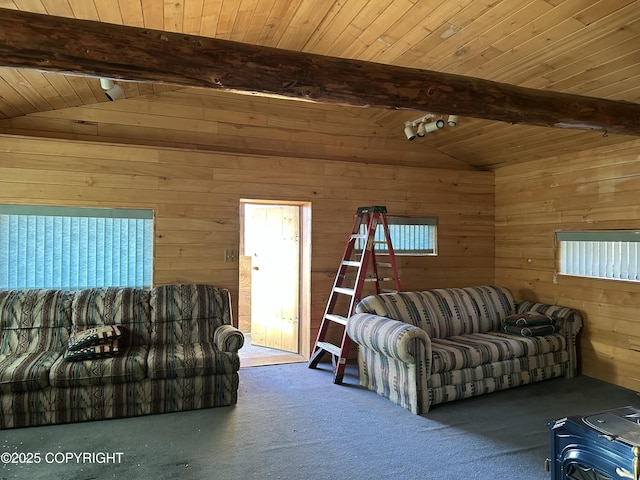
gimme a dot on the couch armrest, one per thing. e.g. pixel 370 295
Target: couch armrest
pixel 228 338
pixel 389 337
pixel 568 323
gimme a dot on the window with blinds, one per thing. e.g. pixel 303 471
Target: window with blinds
pixel 409 236
pixel 600 254
pixel 74 248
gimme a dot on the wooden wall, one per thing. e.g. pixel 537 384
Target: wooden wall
pixel 599 189
pixel 203 119
pixel 196 197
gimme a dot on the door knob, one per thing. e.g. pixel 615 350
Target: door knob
pixel 256 268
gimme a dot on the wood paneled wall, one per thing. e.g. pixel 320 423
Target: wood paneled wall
pixel 595 190
pixel 202 119
pixel 196 198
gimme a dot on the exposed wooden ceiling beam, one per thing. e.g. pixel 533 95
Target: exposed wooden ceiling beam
pixel 80 47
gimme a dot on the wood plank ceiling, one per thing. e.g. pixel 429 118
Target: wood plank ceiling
pixel 585 47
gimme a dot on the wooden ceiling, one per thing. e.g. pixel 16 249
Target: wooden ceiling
pixel 585 47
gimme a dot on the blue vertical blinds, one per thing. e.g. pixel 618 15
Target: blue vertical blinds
pixel 601 254
pixel 409 236
pixel 75 248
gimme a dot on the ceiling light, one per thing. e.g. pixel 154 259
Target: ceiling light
pixel 433 126
pixel 408 131
pixel 112 91
pixel 426 124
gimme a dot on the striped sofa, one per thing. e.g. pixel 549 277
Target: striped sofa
pixel 177 350
pixel 425 348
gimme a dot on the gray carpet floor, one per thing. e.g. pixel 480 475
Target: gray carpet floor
pixel 294 423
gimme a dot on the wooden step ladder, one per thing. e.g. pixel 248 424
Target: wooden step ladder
pixel 359 256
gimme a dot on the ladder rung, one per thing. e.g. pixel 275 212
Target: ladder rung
pixel 336 318
pixel 351 263
pixel 388 290
pixel 329 347
pixel 384 264
pixel 344 291
pixel 358 236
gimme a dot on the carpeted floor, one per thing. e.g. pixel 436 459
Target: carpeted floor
pixel 293 423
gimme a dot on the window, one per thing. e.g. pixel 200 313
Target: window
pixel 601 254
pixel 409 236
pixel 74 248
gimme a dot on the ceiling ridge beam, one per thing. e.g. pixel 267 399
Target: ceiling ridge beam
pixel 83 47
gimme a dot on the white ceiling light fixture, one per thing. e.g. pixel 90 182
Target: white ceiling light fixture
pixel 435 125
pixel 427 123
pixel 112 90
pixel 408 131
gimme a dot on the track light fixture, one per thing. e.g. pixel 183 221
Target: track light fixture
pixel 408 131
pixel 112 91
pixel 428 123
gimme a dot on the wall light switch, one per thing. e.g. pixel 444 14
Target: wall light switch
pixel 230 255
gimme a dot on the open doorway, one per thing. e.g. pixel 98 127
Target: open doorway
pixel 273 303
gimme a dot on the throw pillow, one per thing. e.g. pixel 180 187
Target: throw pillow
pixel 103 350
pixel 528 319
pixel 533 331
pixel 94 336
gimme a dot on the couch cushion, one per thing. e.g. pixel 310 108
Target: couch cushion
pixel 126 307
pixel 468 351
pixel 494 303
pixel 34 320
pixel 498 369
pixel 128 366
pixel 187 313
pixel 413 308
pixel 190 360
pixel 22 372
pixel 445 312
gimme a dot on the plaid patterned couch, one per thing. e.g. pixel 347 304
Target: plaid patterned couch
pixel 177 350
pixel 424 348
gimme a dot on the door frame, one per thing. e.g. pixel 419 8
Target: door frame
pixel 304 274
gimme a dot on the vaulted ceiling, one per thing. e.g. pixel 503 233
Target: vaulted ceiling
pixel 585 47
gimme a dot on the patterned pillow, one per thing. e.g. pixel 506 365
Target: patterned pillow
pixel 103 350
pixel 528 319
pixel 94 336
pixel 533 331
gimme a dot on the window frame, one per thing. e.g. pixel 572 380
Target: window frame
pixel 407 220
pixel 593 259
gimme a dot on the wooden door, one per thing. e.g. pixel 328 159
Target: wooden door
pixel 272 241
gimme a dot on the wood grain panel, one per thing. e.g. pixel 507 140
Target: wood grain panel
pixel 584 47
pixel 198 119
pixel 195 197
pixel 595 190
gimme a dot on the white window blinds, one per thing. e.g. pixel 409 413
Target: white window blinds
pixel 600 254
pixel 74 248
pixel 409 236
